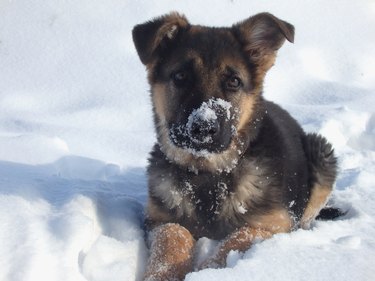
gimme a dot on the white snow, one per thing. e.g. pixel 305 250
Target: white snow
pixel 207 113
pixel 204 113
pixel 76 128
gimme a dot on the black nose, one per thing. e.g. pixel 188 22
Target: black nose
pixel 204 131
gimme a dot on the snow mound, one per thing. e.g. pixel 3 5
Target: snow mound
pixel 71 226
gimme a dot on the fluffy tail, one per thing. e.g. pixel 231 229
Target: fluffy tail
pixel 323 162
pixel 323 172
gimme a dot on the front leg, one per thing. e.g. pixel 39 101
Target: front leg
pixel 239 240
pixel 171 253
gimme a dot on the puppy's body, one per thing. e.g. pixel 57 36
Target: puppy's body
pixel 227 162
pixel 271 178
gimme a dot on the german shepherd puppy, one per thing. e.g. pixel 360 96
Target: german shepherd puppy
pixel 227 164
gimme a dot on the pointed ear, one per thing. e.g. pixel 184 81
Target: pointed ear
pixel 262 35
pixel 152 37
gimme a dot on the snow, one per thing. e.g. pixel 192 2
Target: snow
pixel 206 114
pixel 76 128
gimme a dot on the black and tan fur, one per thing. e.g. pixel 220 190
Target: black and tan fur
pixel 248 172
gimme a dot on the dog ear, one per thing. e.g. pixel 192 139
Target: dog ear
pixel 262 35
pixel 155 36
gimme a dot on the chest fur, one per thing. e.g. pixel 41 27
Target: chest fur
pixel 213 198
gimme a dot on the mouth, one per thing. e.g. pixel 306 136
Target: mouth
pixel 208 129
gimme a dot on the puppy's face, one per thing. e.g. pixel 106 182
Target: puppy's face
pixel 206 84
pixel 198 88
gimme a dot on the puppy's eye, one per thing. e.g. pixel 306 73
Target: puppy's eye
pixel 233 83
pixel 179 77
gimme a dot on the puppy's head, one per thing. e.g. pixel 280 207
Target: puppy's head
pixel 206 84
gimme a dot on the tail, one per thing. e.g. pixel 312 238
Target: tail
pixel 322 159
pixel 330 213
pixel 323 171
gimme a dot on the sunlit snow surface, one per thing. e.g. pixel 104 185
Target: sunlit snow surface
pixel 76 128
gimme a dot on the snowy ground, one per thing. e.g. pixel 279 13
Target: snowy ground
pixel 76 127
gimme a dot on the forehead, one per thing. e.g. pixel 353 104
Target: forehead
pixel 208 47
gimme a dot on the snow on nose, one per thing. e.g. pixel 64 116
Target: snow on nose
pixel 203 122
